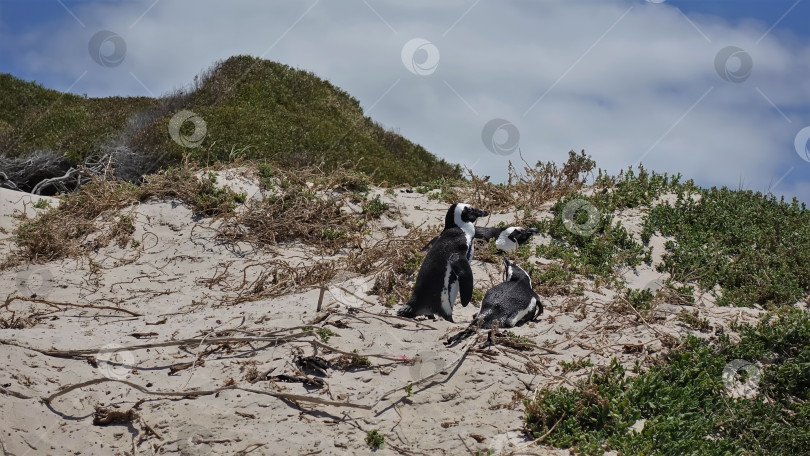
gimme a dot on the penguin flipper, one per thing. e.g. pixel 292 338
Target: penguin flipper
pixel 538 310
pixel 461 267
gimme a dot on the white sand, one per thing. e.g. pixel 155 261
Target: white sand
pixel 168 279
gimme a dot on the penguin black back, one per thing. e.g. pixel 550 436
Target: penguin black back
pixel 511 302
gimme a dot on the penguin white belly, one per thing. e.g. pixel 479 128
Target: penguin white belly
pixel 514 320
pixel 448 292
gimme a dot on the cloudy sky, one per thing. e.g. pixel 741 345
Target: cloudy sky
pixel 716 90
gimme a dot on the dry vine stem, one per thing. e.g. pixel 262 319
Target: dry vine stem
pixel 457 362
pixel 173 343
pixel 193 393
pixel 11 299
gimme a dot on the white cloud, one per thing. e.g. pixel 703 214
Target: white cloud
pixel 621 94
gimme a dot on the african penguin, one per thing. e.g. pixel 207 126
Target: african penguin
pixel 446 269
pixel 510 303
pixel 506 239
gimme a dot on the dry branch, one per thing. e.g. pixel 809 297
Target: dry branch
pixel 197 393
pixel 57 305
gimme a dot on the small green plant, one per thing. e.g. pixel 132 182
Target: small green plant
pixel 375 440
pixel 693 319
pixel 597 248
pixel 477 295
pixel 136 244
pixel 212 200
pixel 686 293
pixel 413 264
pixel 575 365
pixel 409 389
pixel 375 208
pixel 266 170
pixel 640 299
pixel 42 204
pixel 325 334
pixel 332 234
pixel 517 338
pixel 635 188
pixel 554 279
pixel 445 187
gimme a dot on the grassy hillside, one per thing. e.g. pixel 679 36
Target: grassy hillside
pixel 252 108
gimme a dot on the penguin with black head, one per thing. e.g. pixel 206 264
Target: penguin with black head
pixel 506 239
pixel 446 269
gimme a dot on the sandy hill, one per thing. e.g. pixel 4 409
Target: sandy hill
pixel 181 317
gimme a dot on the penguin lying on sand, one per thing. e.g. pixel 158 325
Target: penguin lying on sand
pixel 506 239
pixel 446 269
pixel 510 303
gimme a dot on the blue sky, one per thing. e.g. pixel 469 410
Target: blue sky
pixel 626 80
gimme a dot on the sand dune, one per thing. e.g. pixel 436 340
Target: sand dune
pixel 181 282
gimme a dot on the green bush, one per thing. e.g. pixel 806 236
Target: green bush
pixel 591 254
pixel 684 401
pixel 753 246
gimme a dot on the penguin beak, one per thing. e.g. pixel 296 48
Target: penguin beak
pixel 475 213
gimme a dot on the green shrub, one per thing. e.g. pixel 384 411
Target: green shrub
pixel 375 440
pixel 753 246
pixel 375 208
pixel 684 401
pixel 596 252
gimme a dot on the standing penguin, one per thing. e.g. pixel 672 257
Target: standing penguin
pixel 510 303
pixel 446 268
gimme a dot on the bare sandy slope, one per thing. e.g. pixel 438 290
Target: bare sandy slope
pixel 180 282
